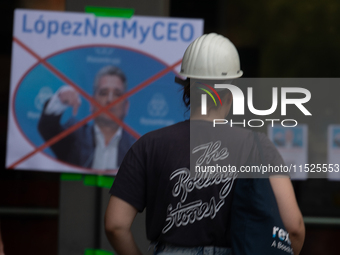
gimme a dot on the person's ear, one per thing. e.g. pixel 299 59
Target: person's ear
pixel 229 98
pixel 227 101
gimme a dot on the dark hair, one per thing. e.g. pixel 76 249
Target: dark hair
pixel 109 70
pixel 186 93
pixel 195 95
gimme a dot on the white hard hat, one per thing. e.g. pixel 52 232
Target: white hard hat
pixel 211 57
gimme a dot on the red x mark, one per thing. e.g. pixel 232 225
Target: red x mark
pixel 90 99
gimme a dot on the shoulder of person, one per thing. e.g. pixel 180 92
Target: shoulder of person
pixel 270 152
pixel 172 131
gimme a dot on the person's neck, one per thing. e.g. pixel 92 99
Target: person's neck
pixel 196 115
pixel 108 132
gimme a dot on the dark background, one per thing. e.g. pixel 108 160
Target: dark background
pixel 282 38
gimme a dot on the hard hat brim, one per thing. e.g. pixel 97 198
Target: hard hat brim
pixel 229 77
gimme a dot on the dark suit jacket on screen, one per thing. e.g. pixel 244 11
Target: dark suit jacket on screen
pixel 78 147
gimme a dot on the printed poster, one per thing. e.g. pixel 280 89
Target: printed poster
pixel 84 89
pixel 292 144
pixel 334 152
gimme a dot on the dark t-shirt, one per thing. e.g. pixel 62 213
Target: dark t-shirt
pixel 183 209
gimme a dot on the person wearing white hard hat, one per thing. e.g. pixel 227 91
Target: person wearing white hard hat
pixel 189 212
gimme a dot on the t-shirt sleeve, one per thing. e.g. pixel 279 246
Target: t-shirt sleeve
pixel 271 156
pixel 130 182
pixel 270 152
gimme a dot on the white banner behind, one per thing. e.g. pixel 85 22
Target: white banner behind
pixel 60 51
